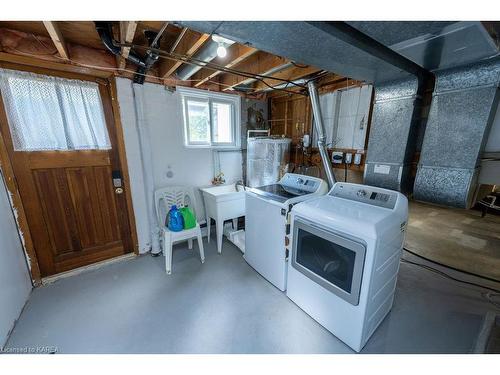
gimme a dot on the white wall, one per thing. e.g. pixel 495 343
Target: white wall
pixel 15 284
pixel 345 117
pixel 493 143
pixel 490 169
pixel 173 163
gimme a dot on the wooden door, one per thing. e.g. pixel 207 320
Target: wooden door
pixel 75 213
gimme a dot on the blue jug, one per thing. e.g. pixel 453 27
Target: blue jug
pixel 175 220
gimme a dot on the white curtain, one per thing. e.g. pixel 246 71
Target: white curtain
pixel 52 113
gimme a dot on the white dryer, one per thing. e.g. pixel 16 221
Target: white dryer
pixel 346 248
pixel 267 208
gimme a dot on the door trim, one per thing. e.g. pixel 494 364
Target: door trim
pixel 10 179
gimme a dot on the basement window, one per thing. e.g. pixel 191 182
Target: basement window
pixel 211 120
pixel 50 113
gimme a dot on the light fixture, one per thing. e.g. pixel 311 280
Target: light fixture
pixel 221 51
pixel 223 43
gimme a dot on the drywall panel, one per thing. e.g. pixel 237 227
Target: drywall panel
pixel 15 284
pixel 490 167
pixel 493 143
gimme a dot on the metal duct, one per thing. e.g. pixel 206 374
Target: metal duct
pixel 207 53
pixel 462 110
pixel 318 123
pixel 396 119
pixel 431 45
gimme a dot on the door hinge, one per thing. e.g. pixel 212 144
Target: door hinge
pixel 287 229
pixel 287 253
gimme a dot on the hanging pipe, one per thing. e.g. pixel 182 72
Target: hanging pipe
pixel 318 125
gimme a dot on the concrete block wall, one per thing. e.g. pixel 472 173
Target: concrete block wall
pixel 173 163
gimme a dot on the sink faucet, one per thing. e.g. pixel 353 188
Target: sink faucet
pixel 239 183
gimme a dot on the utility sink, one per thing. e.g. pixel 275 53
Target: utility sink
pixel 222 203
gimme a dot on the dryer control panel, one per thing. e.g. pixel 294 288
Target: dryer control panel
pixel 365 194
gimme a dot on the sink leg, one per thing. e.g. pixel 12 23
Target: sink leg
pixel 219 226
pixel 209 223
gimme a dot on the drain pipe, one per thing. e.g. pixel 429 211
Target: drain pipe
pixel 144 63
pixel 318 124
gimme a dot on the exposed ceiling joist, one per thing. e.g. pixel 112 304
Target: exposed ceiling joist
pixel 57 38
pixel 178 40
pixel 291 74
pixel 127 33
pixel 188 45
pixel 237 53
pixel 258 63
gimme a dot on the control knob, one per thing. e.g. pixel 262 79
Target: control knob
pixel 361 193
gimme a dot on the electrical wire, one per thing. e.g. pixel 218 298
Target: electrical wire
pixel 450 267
pixel 213 66
pixel 189 60
pixel 488 296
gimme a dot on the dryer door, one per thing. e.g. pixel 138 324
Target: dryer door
pixel 329 259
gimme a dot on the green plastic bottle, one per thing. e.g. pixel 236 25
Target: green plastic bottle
pixel 188 216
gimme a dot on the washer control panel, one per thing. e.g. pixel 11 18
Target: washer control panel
pixel 365 194
pixel 301 182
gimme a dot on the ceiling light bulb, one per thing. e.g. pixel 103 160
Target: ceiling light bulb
pixel 221 51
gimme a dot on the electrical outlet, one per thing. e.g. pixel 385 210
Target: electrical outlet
pixel 357 159
pixel 337 157
pixel 348 158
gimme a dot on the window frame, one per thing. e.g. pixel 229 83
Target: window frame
pixel 209 97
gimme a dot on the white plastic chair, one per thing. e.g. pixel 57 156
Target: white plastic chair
pixel 180 196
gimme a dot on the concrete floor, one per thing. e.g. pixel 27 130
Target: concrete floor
pixel 456 237
pixel 224 306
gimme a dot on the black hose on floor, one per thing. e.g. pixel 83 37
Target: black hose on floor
pixel 450 267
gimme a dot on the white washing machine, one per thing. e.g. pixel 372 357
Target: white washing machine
pixel 346 248
pixel 267 208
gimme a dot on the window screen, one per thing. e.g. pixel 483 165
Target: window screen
pixel 52 113
pixel 210 119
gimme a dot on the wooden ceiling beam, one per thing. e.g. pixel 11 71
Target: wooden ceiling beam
pixel 237 53
pixel 127 33
pixel 57 38
pixel 190 42
pixel 178 40
pixel 257 63
pixel 291 74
